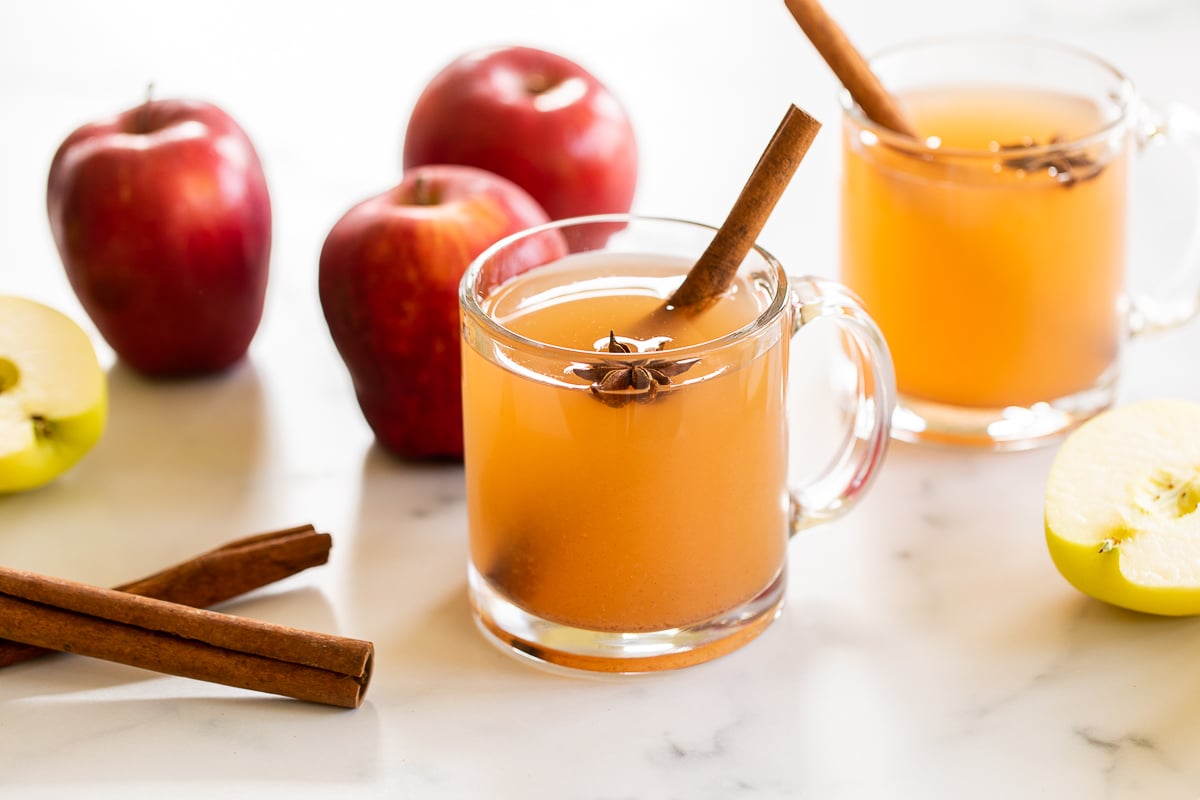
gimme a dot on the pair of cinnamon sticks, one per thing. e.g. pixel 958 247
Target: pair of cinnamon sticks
pixel 160 623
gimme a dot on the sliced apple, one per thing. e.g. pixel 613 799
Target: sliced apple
pixel 1121 501
pixel 53 394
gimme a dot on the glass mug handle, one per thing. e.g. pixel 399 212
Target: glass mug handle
pixel 1178 301
pixel 836 489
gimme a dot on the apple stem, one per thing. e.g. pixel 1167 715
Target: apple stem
pixel 539 83
pixel 143 116
pixel 424 192
pixel 1107 546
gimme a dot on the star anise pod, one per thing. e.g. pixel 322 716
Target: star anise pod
pixel 1068 167
pixel 624 382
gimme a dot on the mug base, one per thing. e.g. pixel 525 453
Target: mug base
pixel 563 648
pixel 1010 428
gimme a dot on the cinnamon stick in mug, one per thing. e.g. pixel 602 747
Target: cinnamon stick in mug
pixel 850 67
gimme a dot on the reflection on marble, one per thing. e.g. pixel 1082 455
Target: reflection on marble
pixel 928 649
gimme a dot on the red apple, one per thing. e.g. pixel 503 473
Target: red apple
pixel 163 222
pixel 534 117
pixel 388 282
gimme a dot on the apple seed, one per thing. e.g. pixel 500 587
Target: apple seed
pixel 9 375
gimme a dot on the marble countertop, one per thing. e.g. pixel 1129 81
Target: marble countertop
pixel 929 647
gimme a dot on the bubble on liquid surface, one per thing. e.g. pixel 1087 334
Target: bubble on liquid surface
pixel 649 345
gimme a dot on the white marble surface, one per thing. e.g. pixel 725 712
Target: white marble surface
pixel 929 648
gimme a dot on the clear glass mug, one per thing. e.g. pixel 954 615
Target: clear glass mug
pixel 630 511
pixel 994 258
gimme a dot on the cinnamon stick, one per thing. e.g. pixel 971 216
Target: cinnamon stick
pixel 849 66
pixel 215 576
pixel 179 640
pixel 718 264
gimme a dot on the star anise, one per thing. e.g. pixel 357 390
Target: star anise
pixel 1068 167
pixel 623 382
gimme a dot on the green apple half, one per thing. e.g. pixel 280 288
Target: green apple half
pixel 53 394
pixel 1121 500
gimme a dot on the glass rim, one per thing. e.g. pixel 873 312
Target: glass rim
pixel 1123 97
pixel 470 306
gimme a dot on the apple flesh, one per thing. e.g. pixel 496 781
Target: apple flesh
pixel 1121 500
pixel 534 117
pixel 53 394
pixel 388 282
pixel 163 222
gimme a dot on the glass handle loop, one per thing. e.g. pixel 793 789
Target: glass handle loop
pixel 838 487
pixel 1178 300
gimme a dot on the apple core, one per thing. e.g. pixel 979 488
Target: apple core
pixel 1169 494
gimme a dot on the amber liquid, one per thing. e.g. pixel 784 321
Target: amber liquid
pixel 993 286
pixel 639 518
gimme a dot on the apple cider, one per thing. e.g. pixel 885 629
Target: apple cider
pixel 995 280
pixel 637 515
